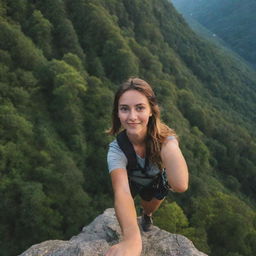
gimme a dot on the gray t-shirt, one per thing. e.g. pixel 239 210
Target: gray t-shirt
pixel 117 159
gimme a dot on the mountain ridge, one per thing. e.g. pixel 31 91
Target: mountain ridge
pixel 233 22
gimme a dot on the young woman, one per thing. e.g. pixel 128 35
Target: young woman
pixel 160 163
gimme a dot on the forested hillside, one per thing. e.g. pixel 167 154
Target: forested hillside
pixel 233 21
pixel 60 63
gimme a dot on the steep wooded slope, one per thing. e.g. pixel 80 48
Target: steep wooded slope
pixel 60 62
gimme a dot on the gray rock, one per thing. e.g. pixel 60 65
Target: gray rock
pixel 104 231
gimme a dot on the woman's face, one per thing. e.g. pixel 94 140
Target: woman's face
pixel 134 112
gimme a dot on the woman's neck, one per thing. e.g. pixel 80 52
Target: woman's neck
pixel 137 139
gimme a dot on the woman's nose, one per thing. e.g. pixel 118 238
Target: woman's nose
pixel 132 114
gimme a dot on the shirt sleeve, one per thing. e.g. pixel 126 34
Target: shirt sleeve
pixel 171 138
pixel 116 158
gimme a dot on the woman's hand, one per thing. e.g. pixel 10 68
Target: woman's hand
pixel 125 248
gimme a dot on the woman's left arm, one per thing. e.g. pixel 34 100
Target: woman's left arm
pixel 175 164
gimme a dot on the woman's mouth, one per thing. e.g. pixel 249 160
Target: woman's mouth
pixel 133 124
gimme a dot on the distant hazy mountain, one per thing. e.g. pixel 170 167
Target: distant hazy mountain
pixel 232 21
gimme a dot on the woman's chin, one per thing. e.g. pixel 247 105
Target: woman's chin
pixel 132 130
pixel 135 131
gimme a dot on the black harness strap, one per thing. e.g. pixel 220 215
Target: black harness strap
pixel 128 149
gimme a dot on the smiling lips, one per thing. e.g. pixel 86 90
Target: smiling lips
pixel 133 123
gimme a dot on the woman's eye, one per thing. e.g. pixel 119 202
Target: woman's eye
pixel 123 109
pixel 140 108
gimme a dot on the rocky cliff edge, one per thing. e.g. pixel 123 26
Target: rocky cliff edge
pixel 104 231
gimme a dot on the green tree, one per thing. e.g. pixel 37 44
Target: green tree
pixel 119 63
pixel 228 217
pixel 16 9
pixel 16 124
pixel 171 218
pixel 3 8
pixel 99 119
pixel 20 47
pixel 24 208
pixel 40 29
pixel 65 39
pixel 69 87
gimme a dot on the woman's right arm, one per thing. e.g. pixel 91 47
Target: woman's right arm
pixel 131 245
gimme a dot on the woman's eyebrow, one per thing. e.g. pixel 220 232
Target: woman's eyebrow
pixel 138 104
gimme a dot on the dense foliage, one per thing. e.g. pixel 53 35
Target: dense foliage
pixel 60 63
pixel 233 21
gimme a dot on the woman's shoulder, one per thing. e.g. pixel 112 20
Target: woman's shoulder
pixel 170 139
pixel 114 147
pixel 113 144
pixel 167 133
pixel 116 158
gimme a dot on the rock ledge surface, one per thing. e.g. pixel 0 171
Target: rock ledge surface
pixel 97 237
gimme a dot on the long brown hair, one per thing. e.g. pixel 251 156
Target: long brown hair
pixel 157 131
